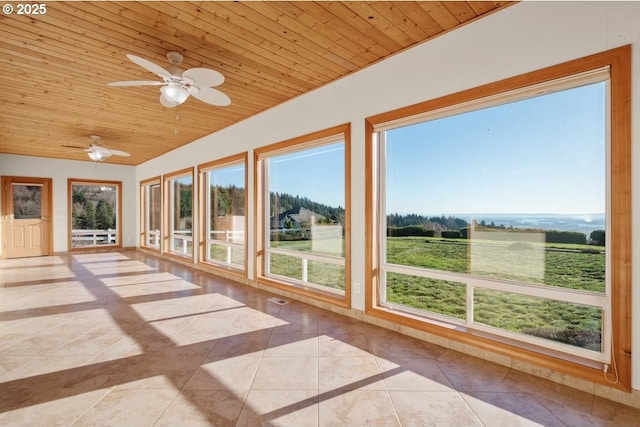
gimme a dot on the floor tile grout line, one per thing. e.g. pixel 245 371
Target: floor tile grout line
pixel 93 406
pixel 466 402
pixel 255 374
pixel 164 411
pixel 517 388
pixel 386 389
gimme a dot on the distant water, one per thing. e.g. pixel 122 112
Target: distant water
pixel 585 223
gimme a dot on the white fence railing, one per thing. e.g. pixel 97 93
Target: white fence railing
pixel 153 238
pixel 227 239
pixel 305 257
pixel 182 242
pixel 473 282
pixel 93 237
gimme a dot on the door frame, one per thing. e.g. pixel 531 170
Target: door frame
pixel 7 204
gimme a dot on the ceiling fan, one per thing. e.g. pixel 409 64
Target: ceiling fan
pixel 96 152
pixel 177 84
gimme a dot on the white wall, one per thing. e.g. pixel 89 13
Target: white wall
pixel 522 38
pixel 60 171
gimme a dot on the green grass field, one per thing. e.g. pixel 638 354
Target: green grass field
pixel 320 273
pixel 218 252
pixel 579 267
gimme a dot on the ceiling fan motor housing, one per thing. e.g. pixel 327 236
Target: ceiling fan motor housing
pixel 174 57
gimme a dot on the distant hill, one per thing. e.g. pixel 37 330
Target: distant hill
pixel 283 202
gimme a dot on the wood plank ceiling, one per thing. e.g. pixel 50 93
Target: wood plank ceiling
pixel 56 66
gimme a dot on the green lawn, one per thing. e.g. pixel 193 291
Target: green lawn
pixel 580 267
pixel 218 252
pixel 567 266
pixel 319 273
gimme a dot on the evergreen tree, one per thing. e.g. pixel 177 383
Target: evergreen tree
pixel 89 216
pixel 186 201
pixel 79 197
pixel 104 215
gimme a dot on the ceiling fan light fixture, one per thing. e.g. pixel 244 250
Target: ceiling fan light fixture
pixel 178 84
pixel 96 156
pixel 175 93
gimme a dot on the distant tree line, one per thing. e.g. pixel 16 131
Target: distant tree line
pixel 283 202
pixel 228 200
pixel 447 222
pixel 457 228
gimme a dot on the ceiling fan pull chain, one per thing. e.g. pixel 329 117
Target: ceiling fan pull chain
pixel 175 126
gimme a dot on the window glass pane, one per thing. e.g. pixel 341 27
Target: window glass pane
pixel 306 212
pixel 514 191
pixel 153 211
pixel 483 208
pixel 181 241
pixel 27 201
pixel 154 207
pixel 226 215
pixel 314 272
pixel 326 274
pixel 94 210
pixel 573 324
pixel 443 297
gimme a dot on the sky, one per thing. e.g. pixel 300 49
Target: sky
pixel 541 155
pixel 227 176
pixel 316 173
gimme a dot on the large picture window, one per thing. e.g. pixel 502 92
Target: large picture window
pixel 304 219
pixel 94 208
pixel 223 190
pixel 501 214
pixel 179 211
pixel 150 196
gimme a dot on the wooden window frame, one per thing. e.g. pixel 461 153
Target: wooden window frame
pixel 203 169
pixel 143 212
pixel 292 145
pixel 619 62
pixel 79 181
pixel 166 215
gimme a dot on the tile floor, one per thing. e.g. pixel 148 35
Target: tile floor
pixel 128 339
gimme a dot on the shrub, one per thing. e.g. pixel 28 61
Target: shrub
pixel 556 236
pixel 409 230
pixel 290 235
pixel 597 237
pixel 451 234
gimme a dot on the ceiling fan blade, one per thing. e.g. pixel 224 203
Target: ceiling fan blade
pixel 211 96
pixel 119 153
pixel 136 83
pixel 204 77
pixel 166 102
pixel 149 66
pixel 74 146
